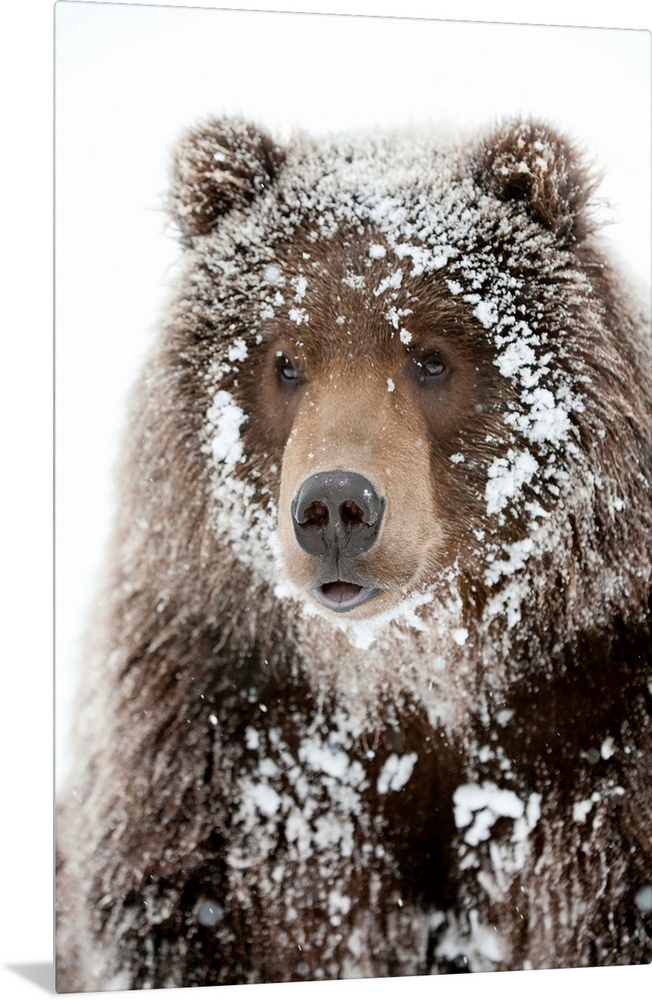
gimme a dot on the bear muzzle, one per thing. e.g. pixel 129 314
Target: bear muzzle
pixel 337 516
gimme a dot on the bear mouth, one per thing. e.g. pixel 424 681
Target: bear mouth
pixel 341 596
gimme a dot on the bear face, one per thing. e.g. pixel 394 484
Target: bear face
pixel 394 325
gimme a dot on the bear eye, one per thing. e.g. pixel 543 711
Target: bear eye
pixel 430 369
pixel 286 371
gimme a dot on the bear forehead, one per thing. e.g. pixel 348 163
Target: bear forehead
pixel 356 224
pixel 341 305
pixel 409 194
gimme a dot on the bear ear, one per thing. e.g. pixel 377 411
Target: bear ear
pixel 219 165
pixel 529 162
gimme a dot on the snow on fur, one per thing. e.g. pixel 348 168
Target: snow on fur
pixel 378 796
pixel 449 228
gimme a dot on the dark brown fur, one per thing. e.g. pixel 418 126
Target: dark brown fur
pixel 236 750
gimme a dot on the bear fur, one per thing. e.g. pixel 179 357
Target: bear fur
pixel 441 758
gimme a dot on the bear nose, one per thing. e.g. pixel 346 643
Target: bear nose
pixel 337 511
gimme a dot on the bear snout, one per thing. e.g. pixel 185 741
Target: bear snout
pixel 337 517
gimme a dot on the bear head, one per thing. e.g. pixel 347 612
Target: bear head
pixel 394 335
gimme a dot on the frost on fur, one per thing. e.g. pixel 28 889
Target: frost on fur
pixel 369 689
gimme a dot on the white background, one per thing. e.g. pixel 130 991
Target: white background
pixel 128 79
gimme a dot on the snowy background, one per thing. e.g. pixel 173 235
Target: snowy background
pixel 128 79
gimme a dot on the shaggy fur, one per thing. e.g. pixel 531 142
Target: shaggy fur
pixel 454 774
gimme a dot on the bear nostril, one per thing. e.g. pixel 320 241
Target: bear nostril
pixel 351 514
pixel 316 515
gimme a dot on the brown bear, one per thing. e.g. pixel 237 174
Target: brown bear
pixel 369 689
